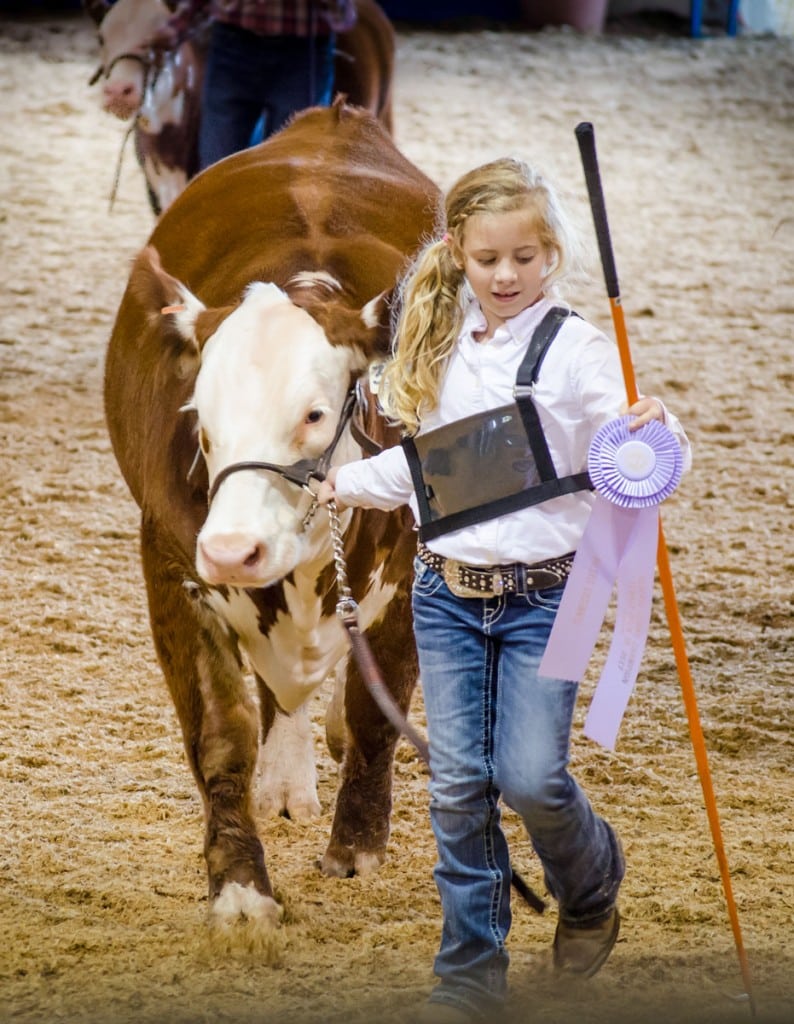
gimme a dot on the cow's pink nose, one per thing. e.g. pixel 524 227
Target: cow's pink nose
pixel 120 99
pixel 117 91
pixel 232 558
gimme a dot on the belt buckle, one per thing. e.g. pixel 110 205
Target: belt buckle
pixel 459 589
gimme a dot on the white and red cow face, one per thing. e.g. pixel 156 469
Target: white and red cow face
pixel 270 388
pixel 123 33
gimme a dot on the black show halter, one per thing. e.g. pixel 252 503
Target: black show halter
pixel 300 472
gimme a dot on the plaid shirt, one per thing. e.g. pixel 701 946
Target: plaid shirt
pixel 268 17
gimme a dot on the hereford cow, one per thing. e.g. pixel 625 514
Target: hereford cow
pixel 257 305
pixel 162 92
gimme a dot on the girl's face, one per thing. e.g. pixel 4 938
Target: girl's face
pixel 504 262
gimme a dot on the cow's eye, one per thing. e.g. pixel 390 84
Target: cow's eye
pixel 204 441
pixel 314 416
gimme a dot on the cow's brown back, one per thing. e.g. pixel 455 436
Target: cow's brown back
pixel 330 191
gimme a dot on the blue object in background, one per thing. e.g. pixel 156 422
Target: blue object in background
pixel 696 18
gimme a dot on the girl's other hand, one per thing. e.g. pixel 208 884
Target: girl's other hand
pixel 645 410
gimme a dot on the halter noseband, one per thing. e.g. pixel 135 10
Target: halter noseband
pixel 147 60
pixel 300 472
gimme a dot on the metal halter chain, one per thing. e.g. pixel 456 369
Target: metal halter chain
pixel 346 607
pixel 347 610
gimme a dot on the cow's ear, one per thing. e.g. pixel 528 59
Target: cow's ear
pixel 165 299
pixel 376 312
pixel 376 316
pixel 207 323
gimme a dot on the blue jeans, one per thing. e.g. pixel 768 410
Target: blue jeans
pixel 498 729
pixel 254 84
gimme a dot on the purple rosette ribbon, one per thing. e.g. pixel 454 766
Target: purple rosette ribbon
pixel 635 470
pixel 632 473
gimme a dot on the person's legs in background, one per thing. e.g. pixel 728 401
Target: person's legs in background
pixel 296 73
pixel 230 101
pixel 254 84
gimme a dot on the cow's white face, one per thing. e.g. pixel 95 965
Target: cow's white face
pixel 270 388
pixel 127 26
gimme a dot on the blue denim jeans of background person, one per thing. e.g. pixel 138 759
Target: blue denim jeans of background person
pixel 251 78
pixel 496 728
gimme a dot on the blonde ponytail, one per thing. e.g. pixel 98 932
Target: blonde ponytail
pixel 429 321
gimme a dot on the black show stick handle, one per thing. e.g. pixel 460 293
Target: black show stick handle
pixel 585 136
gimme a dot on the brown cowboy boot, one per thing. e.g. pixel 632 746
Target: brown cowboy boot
pixel 443 1013
pixel 584 950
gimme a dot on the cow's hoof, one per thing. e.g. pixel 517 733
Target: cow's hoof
pixel 295 804
pixel 245 903
pixel 368 863
pixel 286 772
pixel 346 862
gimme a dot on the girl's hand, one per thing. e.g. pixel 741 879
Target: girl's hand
pixel 645 410
pixel 326 491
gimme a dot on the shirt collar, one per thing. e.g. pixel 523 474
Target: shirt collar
pixel 517 329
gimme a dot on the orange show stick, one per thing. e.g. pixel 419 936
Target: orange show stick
pixel 585 136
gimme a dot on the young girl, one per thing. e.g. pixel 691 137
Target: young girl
pixel 494 474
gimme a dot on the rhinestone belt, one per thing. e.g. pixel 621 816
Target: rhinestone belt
pixel 494 580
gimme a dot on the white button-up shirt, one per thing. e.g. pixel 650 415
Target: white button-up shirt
pixel 579 389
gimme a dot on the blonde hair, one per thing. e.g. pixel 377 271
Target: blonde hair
pixel 431 299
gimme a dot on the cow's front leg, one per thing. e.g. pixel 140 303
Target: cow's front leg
pixel 287 771
pixel 363 808
pixel 220 728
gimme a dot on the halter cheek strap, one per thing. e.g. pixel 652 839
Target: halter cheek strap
pixel 300 472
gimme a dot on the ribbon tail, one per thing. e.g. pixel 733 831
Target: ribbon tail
pixel 587 592
pixel 632 618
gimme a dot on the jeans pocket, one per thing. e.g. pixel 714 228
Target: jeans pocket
pixel 426 580
pixel 549 599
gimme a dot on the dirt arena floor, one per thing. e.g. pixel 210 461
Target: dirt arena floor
pixel 102 883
